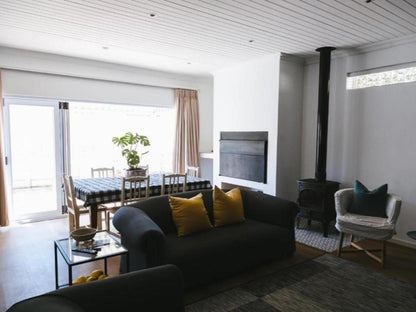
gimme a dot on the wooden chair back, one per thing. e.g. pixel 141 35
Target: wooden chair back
pixel 192 171
pixel 102 172
pixel 71 200
pixel 173 183
pixel 74 210
pixel 134 189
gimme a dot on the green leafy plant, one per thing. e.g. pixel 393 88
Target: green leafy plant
pixel 129 144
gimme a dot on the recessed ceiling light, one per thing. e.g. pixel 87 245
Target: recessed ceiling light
pixel 105 48
pixel 251 40
pixel 152 14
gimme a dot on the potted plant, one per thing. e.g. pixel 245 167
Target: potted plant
pixel 129 144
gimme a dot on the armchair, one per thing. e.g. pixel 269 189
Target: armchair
pixel 365 226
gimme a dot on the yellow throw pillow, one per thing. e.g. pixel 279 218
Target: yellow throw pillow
pixel 189 214
pixel 228 207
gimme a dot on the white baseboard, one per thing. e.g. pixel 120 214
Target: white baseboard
pixel 403 243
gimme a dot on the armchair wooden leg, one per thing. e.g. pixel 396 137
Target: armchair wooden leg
pixel 341 239
pixel 369 252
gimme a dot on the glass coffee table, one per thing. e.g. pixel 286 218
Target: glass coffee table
pixel 106 244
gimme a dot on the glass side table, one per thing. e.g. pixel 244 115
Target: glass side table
pixel 412 234
pixel 112 248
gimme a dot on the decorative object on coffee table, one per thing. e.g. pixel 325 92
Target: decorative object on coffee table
pixel 83 234
pixel 129 144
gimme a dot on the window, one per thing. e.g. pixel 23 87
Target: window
pixel 361 80
pixel 92 127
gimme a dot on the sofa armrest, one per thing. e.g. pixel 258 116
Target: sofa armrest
pixel 343 200
pixel 269 209
pixel 154 289
pixel 142 237
pixel 393 206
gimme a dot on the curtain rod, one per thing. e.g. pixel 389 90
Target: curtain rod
pixel 90 78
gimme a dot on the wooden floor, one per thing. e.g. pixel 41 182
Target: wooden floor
pixel 27 266
pixel 27 263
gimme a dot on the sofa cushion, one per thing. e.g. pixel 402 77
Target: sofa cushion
pixel 228 207
pixel 207 256
pixel 189 214
pixel 369 203
pixel 158 209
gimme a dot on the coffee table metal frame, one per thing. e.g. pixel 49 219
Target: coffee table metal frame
pixel 58 245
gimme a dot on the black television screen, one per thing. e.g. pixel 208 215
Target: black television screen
pixel 243 155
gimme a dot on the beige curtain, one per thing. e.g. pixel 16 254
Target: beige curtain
pixel 187 130
pixel 4 218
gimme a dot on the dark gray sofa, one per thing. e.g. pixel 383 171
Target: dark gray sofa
pixel 155 289
pixel 148 231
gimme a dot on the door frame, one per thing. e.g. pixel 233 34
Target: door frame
pixel 39 216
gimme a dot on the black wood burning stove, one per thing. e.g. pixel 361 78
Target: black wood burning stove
pixel 316 196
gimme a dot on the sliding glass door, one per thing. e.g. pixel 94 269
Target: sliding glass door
pixel 33 152
pixel 44 139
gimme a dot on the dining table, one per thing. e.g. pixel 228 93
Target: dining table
pixel 96 191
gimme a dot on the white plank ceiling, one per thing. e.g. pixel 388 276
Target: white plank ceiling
pixel 199 36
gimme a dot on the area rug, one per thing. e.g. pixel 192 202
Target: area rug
pixel 326 283
pixel 313 236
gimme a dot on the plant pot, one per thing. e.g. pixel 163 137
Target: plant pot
pixel 140 171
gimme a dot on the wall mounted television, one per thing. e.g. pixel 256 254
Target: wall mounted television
pixel 243 155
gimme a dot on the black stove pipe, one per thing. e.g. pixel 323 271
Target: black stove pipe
pixel 323 101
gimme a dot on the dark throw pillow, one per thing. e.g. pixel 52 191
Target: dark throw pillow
pixel 369 203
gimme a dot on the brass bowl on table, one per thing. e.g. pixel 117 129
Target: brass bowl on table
pixel 83 234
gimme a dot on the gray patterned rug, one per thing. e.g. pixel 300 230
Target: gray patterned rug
pixel 313 236
pixel 326 283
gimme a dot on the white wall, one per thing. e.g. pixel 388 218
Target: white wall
pixel 55 76
pixel 80 89
pixel 246 98
pixel 289 129
pixel 371 131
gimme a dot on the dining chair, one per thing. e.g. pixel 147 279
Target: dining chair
pixel 133 189
pixel 192 171
pixel 102 172
pixel 171 183
pixel 75 209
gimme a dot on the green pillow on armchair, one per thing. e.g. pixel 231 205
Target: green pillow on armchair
pixel 369 203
